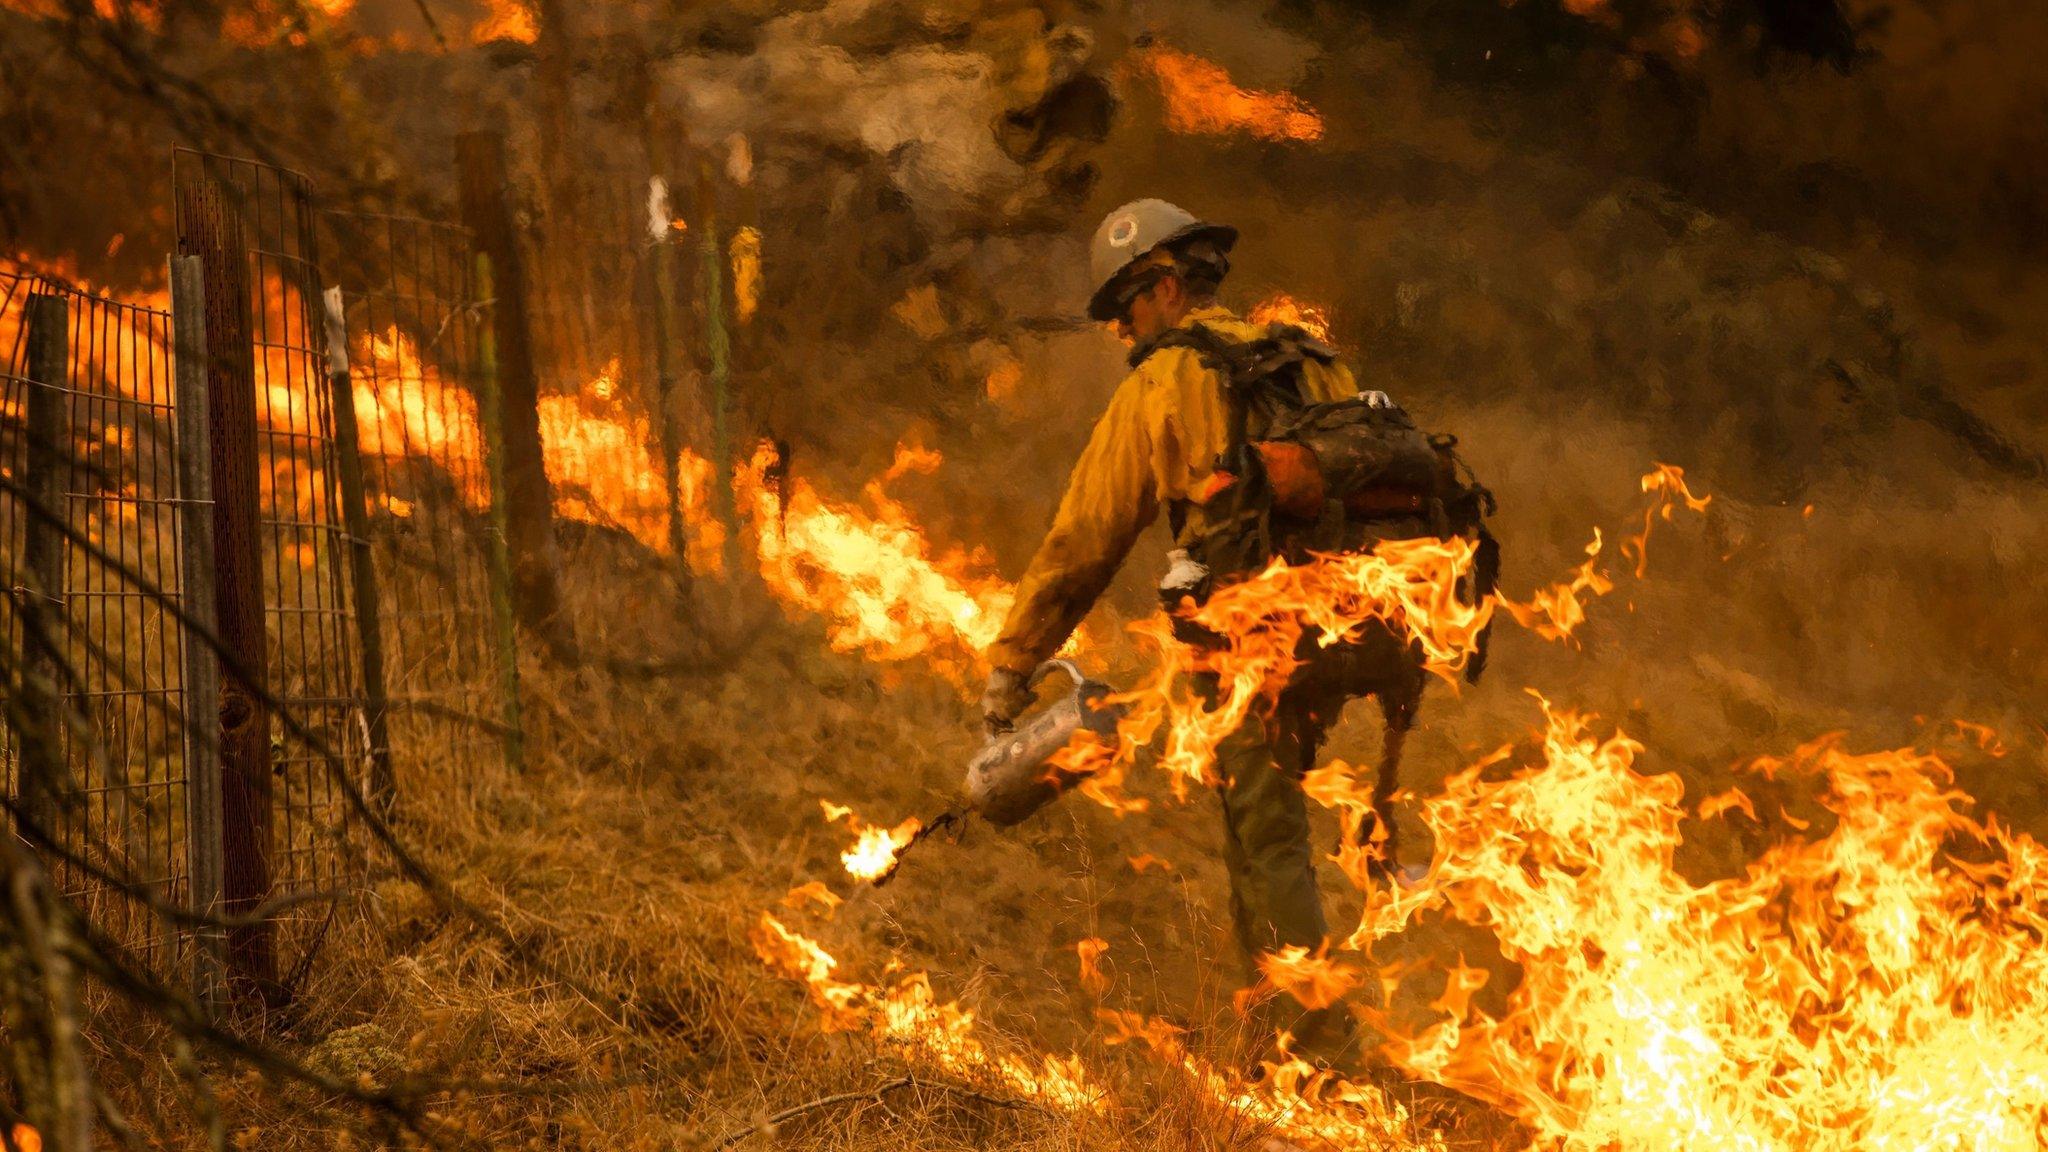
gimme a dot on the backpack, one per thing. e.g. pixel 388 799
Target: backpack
pixel 1299 479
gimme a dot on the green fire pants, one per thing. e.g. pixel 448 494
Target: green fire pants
pixel 1274 901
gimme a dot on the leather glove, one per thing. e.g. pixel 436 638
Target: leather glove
pixel 1008 693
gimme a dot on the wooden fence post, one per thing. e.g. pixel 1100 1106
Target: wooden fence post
pixel 529 504
pixel 200 672
pixel 718 350
pixel 47 463
pixel 490 404
pixel 215 237
pixel 668 372
pixel 355 518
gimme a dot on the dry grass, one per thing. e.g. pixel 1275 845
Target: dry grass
pixel 660 817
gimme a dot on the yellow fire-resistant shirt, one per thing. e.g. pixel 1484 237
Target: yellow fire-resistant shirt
pixel 1156 444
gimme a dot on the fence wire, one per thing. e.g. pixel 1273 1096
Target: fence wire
pixel 112 473
pixel 413 330
pixel 94 438
pixel 309 615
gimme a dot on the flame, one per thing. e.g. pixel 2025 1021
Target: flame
pixel 909 1014
pixel 813 892
pixel 875 850
pixel 1312 978
pixel 604 473
pixel 1089 951
pixel 597 459
pixel 745 253
pixel 1555 612
pixel 1281 308
pixel 26 1139
pixel 1269 622
pixel 1860 989
pixel 1665 484
pixel 123 351
pixel 1292 1099
pixel 1200 98
pixel 405 408
pixel 505 20
pixel 872 576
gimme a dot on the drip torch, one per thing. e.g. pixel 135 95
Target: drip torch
pixel 1012 777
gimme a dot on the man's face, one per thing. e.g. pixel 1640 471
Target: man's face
pixel 1157 308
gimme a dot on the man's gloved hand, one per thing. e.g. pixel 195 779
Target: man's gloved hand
pixel 1007 694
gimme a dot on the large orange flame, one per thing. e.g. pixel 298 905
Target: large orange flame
pixel 1268 623
pixel 873 576
pixel 1876 986
pixel 1201 98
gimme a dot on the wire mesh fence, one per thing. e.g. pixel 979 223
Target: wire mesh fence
pixel 326 514
pixel 85 424
pixel 261 217
pixel 413 329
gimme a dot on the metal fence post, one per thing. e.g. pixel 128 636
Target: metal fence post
pixel 355 516
pixel 200 671
pixel 490 403
pixel 215 237
pixel 47 463
pixel 530 526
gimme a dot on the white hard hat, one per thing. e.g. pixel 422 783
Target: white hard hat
pixel 1133 230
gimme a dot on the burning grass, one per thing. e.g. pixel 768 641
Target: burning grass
pixel 662 819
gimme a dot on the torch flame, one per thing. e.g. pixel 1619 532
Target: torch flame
pixel 875 850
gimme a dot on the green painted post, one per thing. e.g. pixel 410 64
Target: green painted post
pixel 490 403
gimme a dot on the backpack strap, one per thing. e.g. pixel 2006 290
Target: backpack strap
pixel 1263 371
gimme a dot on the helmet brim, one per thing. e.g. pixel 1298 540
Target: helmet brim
pixel 1102 305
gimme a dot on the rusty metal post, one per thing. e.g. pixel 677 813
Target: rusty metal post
pixel 213 233
pixel 490 403
pixel 200 671
pixel 530 524
pixel 46 463
pixel 355 518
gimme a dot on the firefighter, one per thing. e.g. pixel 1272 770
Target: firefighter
pixel 1156 269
